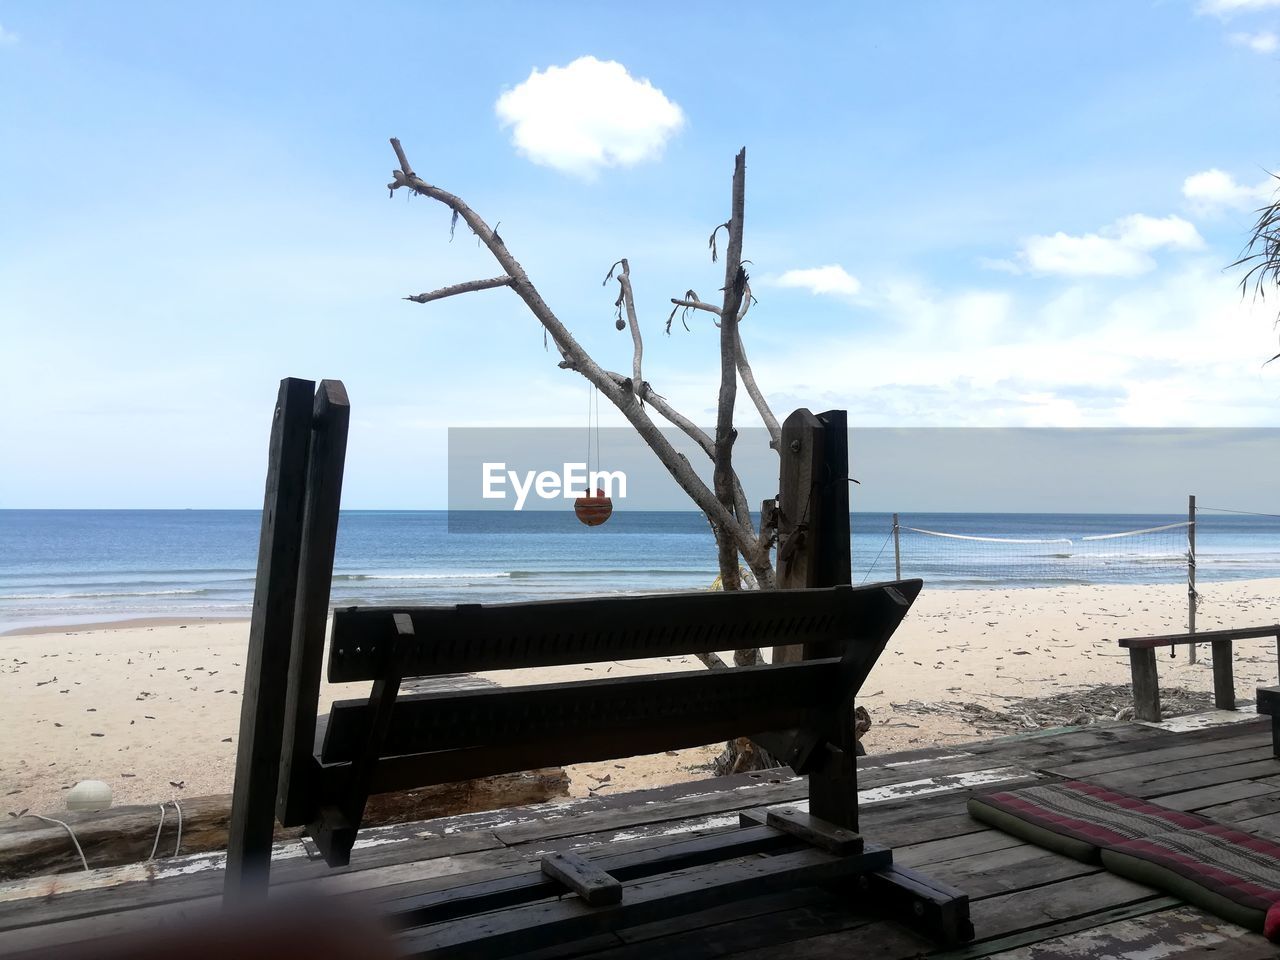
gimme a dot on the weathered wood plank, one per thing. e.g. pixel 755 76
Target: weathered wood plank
pixel 471 638
pixel 1202 778
pixel 1208 760
pixel 588 881
pixel 127 834
pixel 270 636
pixel 1147 757
pixel 683 891
pixel 1182 933
pixel 1066 899
pixel 814 831
pixel 1146 683
pixel 1202 636
pixel 643 859
pixel 1007 869
pixel 331 416
pixel 631 713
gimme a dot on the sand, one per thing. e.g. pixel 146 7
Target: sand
pixel 153 708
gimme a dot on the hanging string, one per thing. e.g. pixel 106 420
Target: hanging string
pixel 593 406
pixel 67 827
pixel 590 389
pixel 596 394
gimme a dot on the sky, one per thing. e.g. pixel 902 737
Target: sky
pixel 989 214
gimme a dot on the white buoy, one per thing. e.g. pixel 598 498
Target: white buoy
pixel 89 795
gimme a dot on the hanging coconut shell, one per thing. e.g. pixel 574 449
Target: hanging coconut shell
pixel 593 511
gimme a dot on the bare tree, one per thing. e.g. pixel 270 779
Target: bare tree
pixel 1262 253
pixel 724 503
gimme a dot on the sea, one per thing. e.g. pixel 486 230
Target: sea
pixel 66 567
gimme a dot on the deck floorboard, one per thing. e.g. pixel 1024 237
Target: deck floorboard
pixel 1025 902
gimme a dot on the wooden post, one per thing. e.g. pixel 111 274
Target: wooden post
pixel 813 551
pixel 799 509
pixel 1146 683
pixel 834 547
pixel 1224 687
pixel 270 637
pixel 1191 571
pixel 296 795
pixel 897 551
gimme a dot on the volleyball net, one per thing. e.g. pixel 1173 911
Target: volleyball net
pixel 949 558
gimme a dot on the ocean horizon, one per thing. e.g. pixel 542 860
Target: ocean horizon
pixel 63 567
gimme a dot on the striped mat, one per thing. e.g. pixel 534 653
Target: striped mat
pixel 1224 870
pixel 1078 818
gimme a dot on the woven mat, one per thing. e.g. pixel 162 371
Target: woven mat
pixel 1078 818
pixel 1226 871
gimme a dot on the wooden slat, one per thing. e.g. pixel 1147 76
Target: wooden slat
pixel 685 891
pixel 270 637
pixel 331 415
pixel 813 831
pixel 635 713
pixel 471 638
pixel 585 879
pixel 1203 636
pixel 463 899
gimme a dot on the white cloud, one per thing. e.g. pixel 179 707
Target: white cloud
pixel 1177 348
pixel 1214 189
pixel 588 115
pixel 831 279
pixel 1225 8
pixel 1264 42
pixel 7 37
pixel 1122 249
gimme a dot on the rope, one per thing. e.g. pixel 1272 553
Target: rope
pixel 877 559
pixel 1246 513
pixel 961 536
pixel 65 826
pixel 1134 533
pixel 177 843
pixel 155 846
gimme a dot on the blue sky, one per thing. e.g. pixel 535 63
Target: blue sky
pixel 979 214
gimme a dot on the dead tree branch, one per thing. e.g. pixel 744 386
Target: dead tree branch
pixel 735 279
pixel 627 300
pixel 744 366
pixel 621 392
pixel 454 289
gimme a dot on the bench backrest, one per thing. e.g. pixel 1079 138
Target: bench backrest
pixel 470 638
pixel 443 737
pixel 389 742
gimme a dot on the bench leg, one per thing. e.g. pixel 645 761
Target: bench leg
pixel 1146 684
pixel 1224 684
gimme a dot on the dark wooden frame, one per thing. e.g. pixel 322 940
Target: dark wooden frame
pixel 795 710
pixel 1142 664
pixel 799 709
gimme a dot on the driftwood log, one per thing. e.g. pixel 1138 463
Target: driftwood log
pixel 127 834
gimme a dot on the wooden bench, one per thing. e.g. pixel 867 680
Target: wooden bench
pixel 320 772
pixel 1269 705
pixel 1142 663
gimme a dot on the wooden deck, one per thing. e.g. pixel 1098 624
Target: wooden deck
pixel 1025 902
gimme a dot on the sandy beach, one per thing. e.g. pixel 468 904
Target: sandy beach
pixel 152 708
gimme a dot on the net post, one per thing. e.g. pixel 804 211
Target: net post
pixel 897 551
pixel 1191 570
